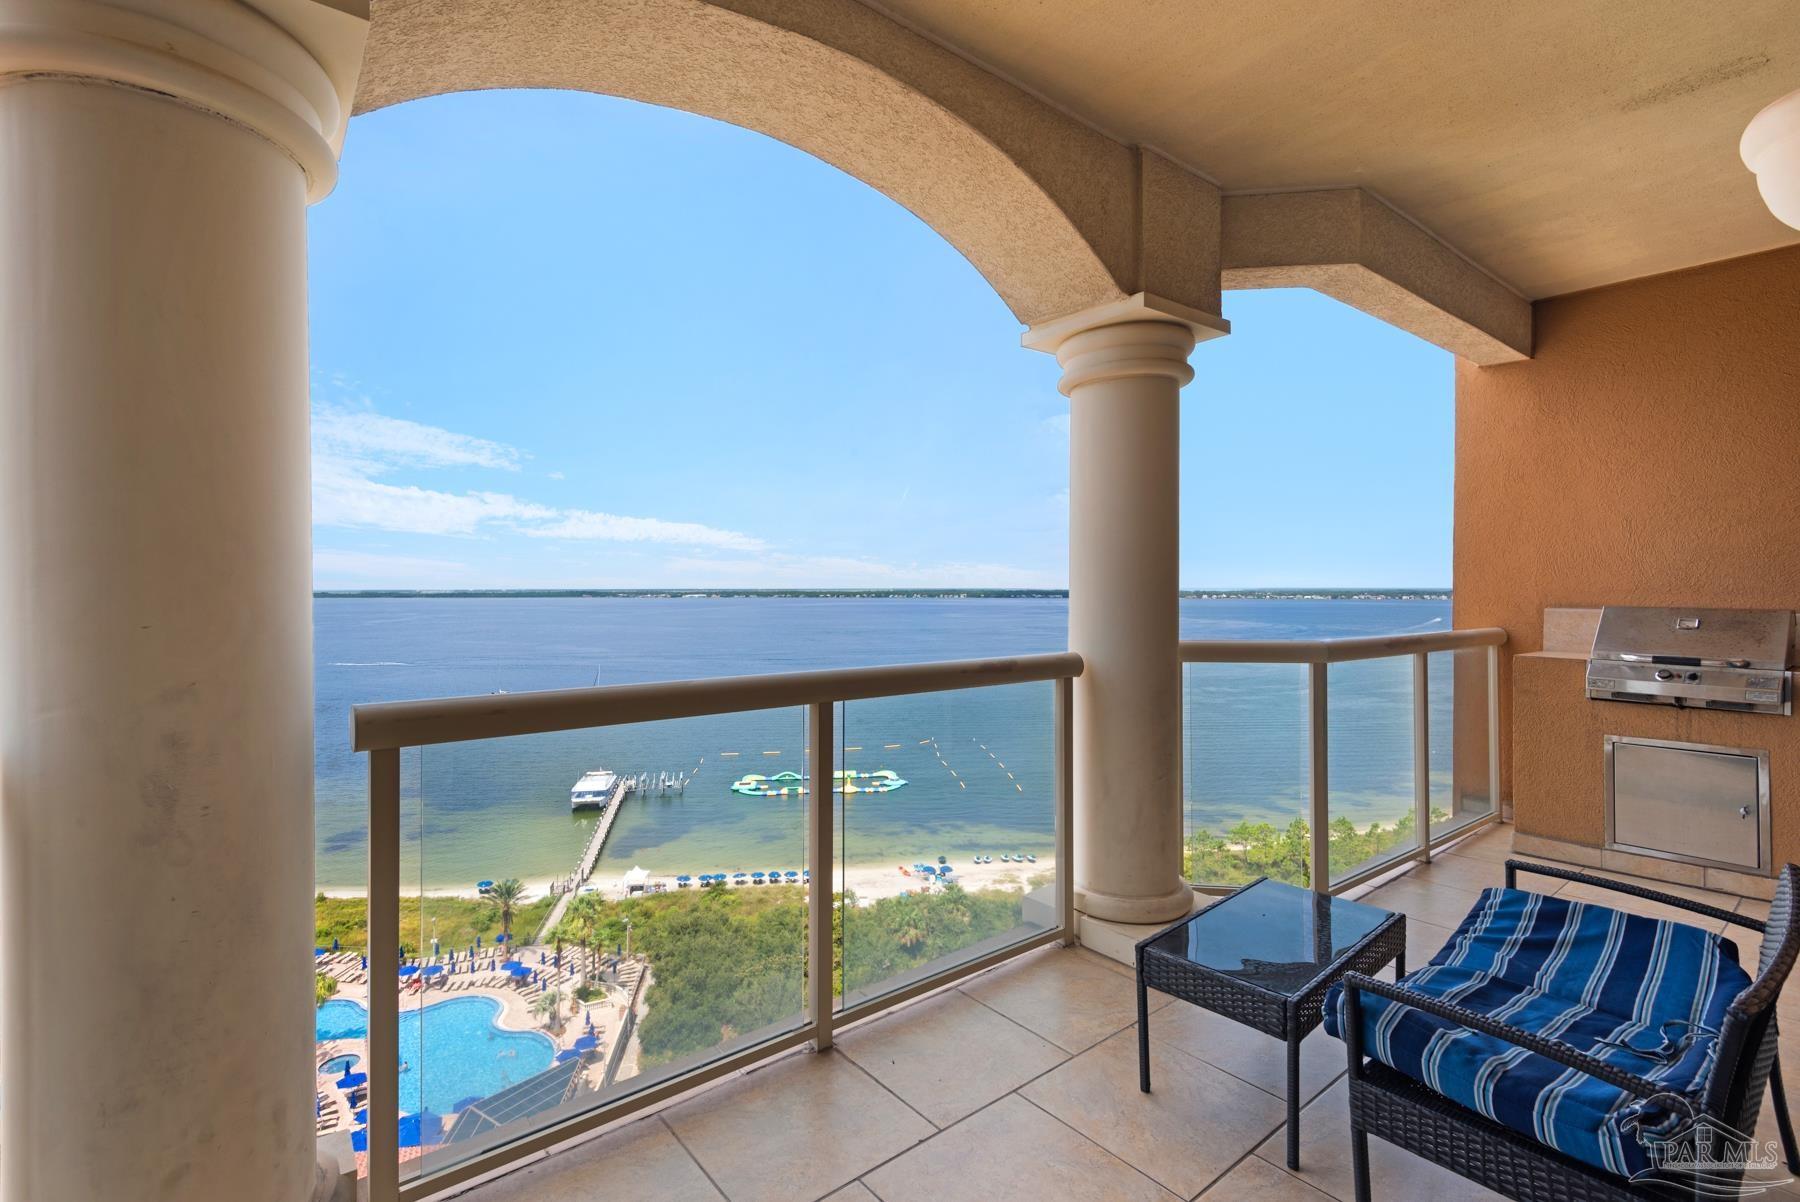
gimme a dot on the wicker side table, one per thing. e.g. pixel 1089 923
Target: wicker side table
pixel 1265 956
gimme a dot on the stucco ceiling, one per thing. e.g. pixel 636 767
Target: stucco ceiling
pixel 1558 145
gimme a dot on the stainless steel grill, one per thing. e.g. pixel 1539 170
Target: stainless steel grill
pixel 1734 659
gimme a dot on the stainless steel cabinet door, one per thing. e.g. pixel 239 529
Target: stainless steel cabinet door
pixel 1687 801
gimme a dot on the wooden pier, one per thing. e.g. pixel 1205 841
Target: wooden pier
pixel 589 858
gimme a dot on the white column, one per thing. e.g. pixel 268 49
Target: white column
pixel 1123 369
pixel 156 868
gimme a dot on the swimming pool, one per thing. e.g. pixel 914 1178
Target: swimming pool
pixel 449 1051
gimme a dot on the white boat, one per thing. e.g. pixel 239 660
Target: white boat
pixel 593 790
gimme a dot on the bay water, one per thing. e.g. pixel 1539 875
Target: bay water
pixel 977 762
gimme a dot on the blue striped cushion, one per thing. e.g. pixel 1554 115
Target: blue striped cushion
pixel 1640 993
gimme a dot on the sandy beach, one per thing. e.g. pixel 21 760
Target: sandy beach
pixel 866 881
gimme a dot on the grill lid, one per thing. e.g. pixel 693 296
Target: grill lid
pixel 1746 638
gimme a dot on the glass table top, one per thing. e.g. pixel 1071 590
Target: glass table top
pixel 1272 935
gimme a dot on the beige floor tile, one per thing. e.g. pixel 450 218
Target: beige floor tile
pixel 1423 941
pixel 1576 891
pixel 1440 905
pixel 1246 1054
pixel 948 1056
pixel 1256 1180
pixel 801 1127
pixel 856 1191
pixel 1494 844
pixel 1063 996
pixel 1194 1124
pixel 1011 1152
pixel 1750 907
pixel 643 1153
pixel 1460 872
pixel 1393 1174
pixel 1724 901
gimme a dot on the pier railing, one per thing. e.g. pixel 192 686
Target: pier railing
pixel 1415 717
pixel 384 731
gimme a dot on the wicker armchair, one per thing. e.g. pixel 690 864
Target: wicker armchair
pixel 1410 1115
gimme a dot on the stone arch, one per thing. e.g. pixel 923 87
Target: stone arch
pixel 1044 207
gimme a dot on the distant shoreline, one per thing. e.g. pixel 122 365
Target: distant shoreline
pixel 1002 594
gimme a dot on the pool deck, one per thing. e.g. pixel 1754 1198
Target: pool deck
pixel 516 1014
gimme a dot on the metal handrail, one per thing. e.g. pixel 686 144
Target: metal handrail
pixel 1318 655
pixel 1335 651
pixel 392 724
pixel 384 730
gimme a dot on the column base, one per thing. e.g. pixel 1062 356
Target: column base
pixel 1133 908
pixel 1119 940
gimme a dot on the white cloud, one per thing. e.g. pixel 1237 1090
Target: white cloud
pixel 556 475
pixel 611 527
pixel 364 436
pixel 1058 424
pixel 352 448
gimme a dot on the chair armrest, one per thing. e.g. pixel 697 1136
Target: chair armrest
pixel 1355 984
pixel 1514 867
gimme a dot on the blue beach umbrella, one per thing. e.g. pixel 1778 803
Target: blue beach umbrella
pixel 512 966
pixel 334 945
pixel 484 884
pixel 757 876
pixel 792 875
pixel 359 1140
pixel 317 952
pixel 565 1056
pixel 586 1043
pixel 407 970
pixel 352 1080
pixel 365 964
pixel 435 970
pixel 362 1116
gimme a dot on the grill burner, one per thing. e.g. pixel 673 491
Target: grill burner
pixel 1729 659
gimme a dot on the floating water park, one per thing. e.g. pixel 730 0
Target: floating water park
pixel 792 784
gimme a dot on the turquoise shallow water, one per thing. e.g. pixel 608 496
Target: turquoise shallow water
pixel 977 762
pixel 449 1051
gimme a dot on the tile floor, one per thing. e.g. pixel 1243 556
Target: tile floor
pixel 1021 1083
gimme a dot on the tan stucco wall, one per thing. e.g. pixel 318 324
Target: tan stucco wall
pixel 1649 454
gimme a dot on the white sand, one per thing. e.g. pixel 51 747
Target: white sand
pixel 865 880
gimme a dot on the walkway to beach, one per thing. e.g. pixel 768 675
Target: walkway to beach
pixel 589 858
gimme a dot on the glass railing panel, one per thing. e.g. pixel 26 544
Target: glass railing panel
pixel 1369 756
pixel 597 911
pixel 1245 768
pixel 1460 789
pixel 946 818
pixel 345 979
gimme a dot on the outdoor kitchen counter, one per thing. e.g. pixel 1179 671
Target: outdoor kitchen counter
pixel 1558 740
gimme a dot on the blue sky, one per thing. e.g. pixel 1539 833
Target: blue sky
pixel 561 340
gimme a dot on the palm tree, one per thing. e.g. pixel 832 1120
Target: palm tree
pixel 549 1008
pixel 323 987
pixel 507 895
pixel 583 917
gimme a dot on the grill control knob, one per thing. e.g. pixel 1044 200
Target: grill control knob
pixel 1693 678
pixel 1664 674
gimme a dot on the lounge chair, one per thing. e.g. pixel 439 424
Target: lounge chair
pixel 1563 1050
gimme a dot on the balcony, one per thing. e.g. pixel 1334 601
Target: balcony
pixel 1026 1074
pixel 634 1031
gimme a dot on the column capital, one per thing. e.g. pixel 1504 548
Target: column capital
pixel 1050 335
pixel 285 69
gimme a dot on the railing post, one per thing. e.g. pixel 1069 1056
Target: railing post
pixel 819 942
pixel 1063 716
pixel 1422 754
pixel 1320 777
pixel 384 958
pixel 1493 728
